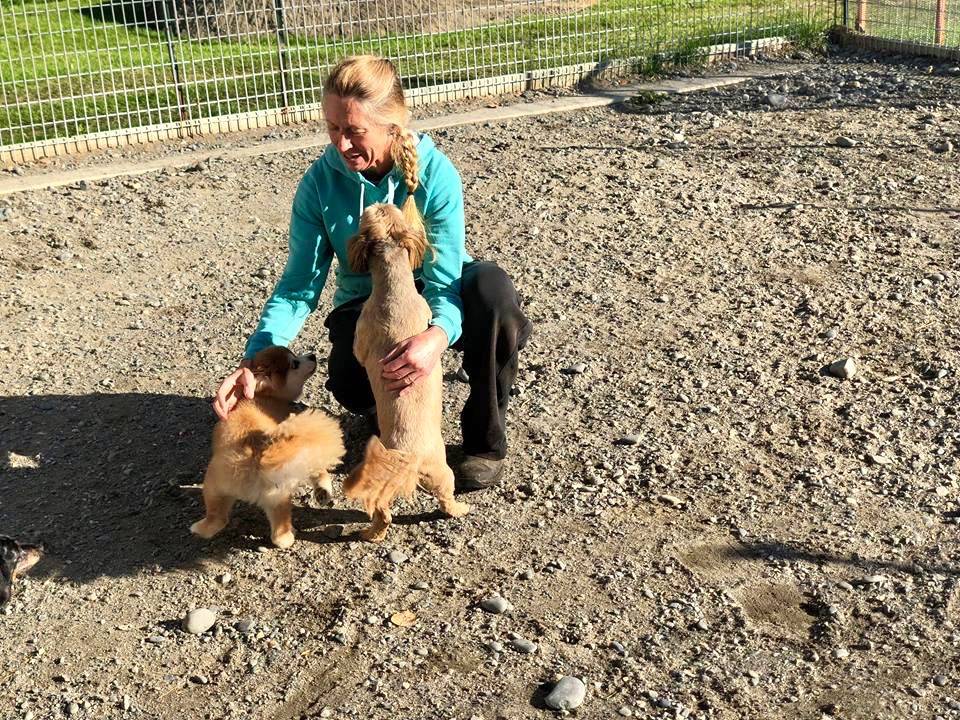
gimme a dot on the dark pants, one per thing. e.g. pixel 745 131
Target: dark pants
pixel 494 330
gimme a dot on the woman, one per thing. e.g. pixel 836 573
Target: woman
pixel 474 304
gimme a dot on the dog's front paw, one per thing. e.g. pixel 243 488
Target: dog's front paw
pixel 284 540
pixel 373 534
pixel 457 509
pixel 206 528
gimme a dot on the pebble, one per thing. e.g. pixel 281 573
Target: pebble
pixel 333 531
pixel 155 640
pixel 567 694
pixel 225 579
pixel 494 647
pixel 879 459
pixel 397 557
pixel 659 163
pixel 844 368
pixel 845 142
pixel 944 146
pixel 73 709
pixel 421 585
pixel 625 712
pixel 776 100
pixel 462 375
pixel 577 369
pixel 632 439
pixel 840 653
pixel 830 334
pixel 940 680
pixel 522 645
pixel 496 604
pixel 199 621
pixel 671 500
pixel 245 625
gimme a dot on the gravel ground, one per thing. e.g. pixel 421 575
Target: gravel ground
pixel 699 519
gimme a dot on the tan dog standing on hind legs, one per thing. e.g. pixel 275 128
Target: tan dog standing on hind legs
pixel 410 449
pixel 263 451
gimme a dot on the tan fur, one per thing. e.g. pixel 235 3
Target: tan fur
pixel 263 452
pixel 410 449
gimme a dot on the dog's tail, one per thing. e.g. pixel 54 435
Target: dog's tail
pixel 304 444
pixel 381 477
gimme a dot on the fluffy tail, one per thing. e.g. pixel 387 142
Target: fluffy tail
pixel 305 444
pixel 381 477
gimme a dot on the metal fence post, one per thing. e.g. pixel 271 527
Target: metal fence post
pixel 940 32
pixel 282 50
pixel 177 83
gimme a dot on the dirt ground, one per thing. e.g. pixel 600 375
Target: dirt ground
pixel 698 520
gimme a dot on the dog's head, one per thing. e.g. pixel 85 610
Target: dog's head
pixel 384 233
pixel 280 373
pixel 15 559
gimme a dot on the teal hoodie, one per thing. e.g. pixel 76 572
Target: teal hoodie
pixel 326 213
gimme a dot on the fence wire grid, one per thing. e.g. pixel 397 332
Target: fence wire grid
pixel 105 71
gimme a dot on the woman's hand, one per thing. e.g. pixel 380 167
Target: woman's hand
pixel 237 385
pixel 413 359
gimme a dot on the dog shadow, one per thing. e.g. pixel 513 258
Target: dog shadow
pixel 109 483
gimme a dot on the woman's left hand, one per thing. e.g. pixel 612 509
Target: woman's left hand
pixel 413 359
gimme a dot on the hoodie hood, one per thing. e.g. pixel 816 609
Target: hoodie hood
pixel 384 191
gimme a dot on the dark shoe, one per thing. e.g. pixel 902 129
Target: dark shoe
pixel 478 473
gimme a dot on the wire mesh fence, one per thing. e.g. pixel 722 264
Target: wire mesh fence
pixel 105 70
pixel 921 26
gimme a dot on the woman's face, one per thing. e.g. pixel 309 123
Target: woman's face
pixel 363 143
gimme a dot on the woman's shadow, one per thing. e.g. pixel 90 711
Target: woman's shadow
pixel 108 483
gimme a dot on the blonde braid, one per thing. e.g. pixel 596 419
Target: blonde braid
pixel 404 152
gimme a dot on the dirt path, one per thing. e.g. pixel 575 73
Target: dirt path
pixel 701 523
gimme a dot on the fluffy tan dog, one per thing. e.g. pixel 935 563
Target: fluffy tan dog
pixel 410 449
pixel 263 451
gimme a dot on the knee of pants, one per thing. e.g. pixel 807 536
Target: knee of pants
pixel 490 295
pixel 354 394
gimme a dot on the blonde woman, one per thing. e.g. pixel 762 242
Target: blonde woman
pixel 373 157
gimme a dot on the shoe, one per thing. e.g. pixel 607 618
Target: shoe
pixel 478 473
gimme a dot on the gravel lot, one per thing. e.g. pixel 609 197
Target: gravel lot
pixel 699 519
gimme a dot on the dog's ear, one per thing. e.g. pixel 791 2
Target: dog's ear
pixel 414 241
pixel 382 476
pixel 358 252
pixel 270 367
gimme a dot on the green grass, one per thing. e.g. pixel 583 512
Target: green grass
pixel 911 22
pixel 64 74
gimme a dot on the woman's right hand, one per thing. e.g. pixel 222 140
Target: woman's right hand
pixel 237 385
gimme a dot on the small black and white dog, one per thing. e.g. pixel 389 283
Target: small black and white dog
pixel 15 559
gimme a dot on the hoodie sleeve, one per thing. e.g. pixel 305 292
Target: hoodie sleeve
pixel 298 290
pixel 444 266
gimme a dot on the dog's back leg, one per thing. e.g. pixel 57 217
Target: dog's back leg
pixel 436 478
pixel 281 523
pixel 380 520
pixel 218 506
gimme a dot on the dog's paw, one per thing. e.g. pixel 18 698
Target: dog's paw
pixel 284 540
pixel 206 529
pixel 373 534
pixel 457 509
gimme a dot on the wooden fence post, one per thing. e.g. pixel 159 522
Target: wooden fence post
pixel 861 25
pixel 940 33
